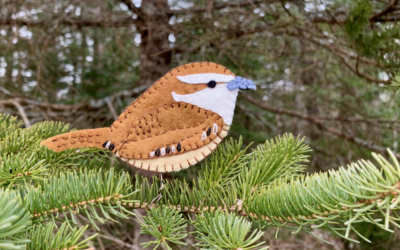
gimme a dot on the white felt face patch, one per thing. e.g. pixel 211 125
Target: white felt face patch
pixel 220 100
pixel 205 78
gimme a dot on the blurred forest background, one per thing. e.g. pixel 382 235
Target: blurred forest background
pixel 325 69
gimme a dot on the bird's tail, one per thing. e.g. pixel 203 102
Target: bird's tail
pixel 79 139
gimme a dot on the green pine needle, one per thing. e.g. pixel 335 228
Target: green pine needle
pixel 14 220
pixel 281 158
pixel 43 238
pixel 81 192
pixel 221 230
pixel 8 124
pixel 166 225
pixel 335 200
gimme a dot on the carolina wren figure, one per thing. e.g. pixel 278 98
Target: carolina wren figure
pixel 174 124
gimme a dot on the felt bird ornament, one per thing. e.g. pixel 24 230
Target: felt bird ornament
pixel 174 124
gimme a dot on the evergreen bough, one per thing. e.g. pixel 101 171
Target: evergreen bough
pixel 236 195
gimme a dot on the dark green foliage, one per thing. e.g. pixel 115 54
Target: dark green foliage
pixel 358 20
pixel 374 42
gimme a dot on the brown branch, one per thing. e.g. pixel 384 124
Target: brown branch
pixel 388 19
pixel 131 7
pixel 82 203
pixel 387 10
pixel 91 106
pixel 112 110
pixel 358 141
pixel 328 20
pixel 357 72
pixel 238 208
pixel 334 49
pixel 78 22
pixel 376 18
pixel 22 113
pixel 228 4
pixel 118 241
pixel 300 34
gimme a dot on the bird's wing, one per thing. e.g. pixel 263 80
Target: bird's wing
pixel 171 130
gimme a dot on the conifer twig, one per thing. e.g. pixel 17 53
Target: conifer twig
pixel 22 113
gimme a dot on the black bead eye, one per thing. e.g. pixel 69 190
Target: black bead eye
pixel 212 84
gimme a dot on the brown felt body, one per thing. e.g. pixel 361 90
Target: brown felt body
pixel 180 161
pixel 159 95
pixel 155 120
pixel 166 127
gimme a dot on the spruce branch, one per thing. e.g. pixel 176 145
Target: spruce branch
pixel 8 124
pixel 234 187
pixel 21 168
pixel 81 192
pixel 166 225
pixel 43 238
pixel 24 160
pixel 228 157
pixel 14 220
pixel 22 139
pixel 281 158
pixel 278 195
pixel 221 230
pixel 335 200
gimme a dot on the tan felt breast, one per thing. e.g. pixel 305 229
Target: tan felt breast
pixel 178 162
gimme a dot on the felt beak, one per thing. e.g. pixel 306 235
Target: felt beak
pixel 241 83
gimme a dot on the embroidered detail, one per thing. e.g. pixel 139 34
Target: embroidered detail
pixel 204 136
pixel 205 78
pixel 163 151
pixel 215 128
pixel 186 159
pixel 178 147
pixel 209 131
pixel 158 152
pixel 107 144
pixel 168 150
pixel 152 154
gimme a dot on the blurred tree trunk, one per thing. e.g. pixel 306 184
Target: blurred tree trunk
pixel 155 55
pixel 8 57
